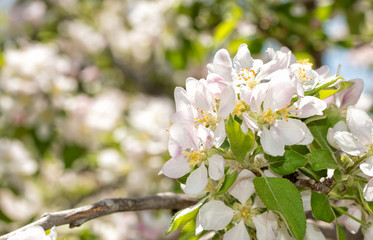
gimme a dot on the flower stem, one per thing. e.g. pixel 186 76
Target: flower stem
pixel 349 215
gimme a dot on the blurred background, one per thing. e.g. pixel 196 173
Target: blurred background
pixel 86 91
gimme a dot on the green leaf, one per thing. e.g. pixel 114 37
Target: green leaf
pixel 340 232
pixel 280 195
pixel 319 130
pixel 330 91
pixel 182 217
pixel 318 88
pixel 321 159
pixel 228 181
pixel 288 163
pixel 240 143
pixel 321 209
pixel 188 231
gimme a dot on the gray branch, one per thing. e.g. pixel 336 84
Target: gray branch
pixel 77 216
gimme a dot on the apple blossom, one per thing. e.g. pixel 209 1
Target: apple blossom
pixel 35 233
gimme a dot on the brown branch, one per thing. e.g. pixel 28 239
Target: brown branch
pixel 323 187
pixel 77 216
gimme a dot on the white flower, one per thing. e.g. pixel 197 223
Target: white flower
pixel 35 233
pixel 356 141
pixel 215 215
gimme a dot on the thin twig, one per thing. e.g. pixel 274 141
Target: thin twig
pixel 77 216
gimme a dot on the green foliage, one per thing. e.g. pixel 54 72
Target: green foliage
pixel 71 153
pixel 340 232
pixel 184 216
pixel 280 195
pixel 321 159
pixel 228 181
pixel 288 163
pixel 321 209
pixel 240 142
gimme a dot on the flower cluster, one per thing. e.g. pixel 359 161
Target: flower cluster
pixel 242 138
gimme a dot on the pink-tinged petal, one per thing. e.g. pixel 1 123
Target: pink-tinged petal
pixel 257 97
pixel 352 94
pixel 243 58
pixel 243 187
pixel 219 134
pixel 215 215
pixel 338 127
pixel 173 148
pixel 272 143
pixel 238 232
pixel 181 99
pixel 289 131
pixel 184 135
pixel 297 85
pixel 184 115
pixel 196 181
pixel 222 57
pixel 323 71
pixel 198 94
pixel 176 167
pixel 223 71
pixel 206 136
pixel 313 232
pixel 250 122
pixel 308 106
pixel 367 167
pixel 350 224
pixel 266 225
pixel 369 234
pixel 368 191
pixel 216 167
pixel 216 84
pixel 227 102
pixel 280 91
pixel 360 125
pixel 348 143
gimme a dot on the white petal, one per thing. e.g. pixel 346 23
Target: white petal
pixel 306 199
pixel 215 215
pixel 219 134
pixel 308 138
pixel 272 143
pixel 196 181
pixel 176 167
pixel 283 233
pixel 367 167
pixel 313 232
pixel 360 124
pixel 308 106
pixel 181 99
pixel 368 190
pixel 369 234
pixel 348 143
pixel 216 167
pixel 243 58
pixel 206 136
pixel 243 187
pixel 266 225
pixel 250 122
pixel 276 99
pixel 289 131
pixel 338 127
pixel 350 224
pixel 53 233
pixel 238 232
pixel 227 102
pixel 257 97
pixel 222 57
